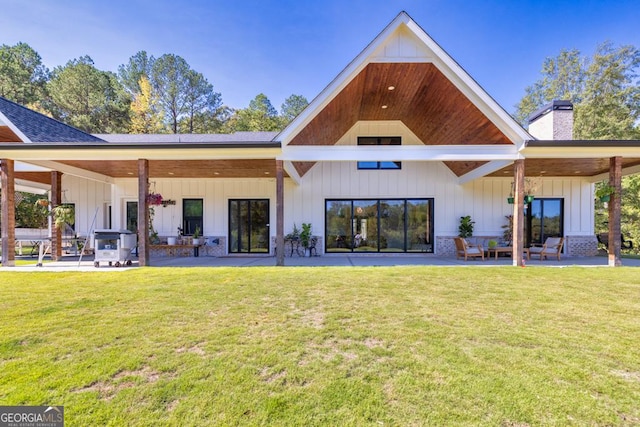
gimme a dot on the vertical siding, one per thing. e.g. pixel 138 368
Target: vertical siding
pixel 483 199
pixel 90 198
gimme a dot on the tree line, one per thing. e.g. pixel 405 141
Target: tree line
pixel 146 95
pixel 605 91
pixel 165 95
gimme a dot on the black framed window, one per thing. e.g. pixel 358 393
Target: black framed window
pixel 249 225
pixel 132 217
pixel 379 225
pixel 379 140
pixel 192 213
pixel 543 218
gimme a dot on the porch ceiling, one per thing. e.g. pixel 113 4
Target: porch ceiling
pixel 566 167
pixel 181 168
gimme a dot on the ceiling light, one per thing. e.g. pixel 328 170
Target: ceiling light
pixel 129 173
pixel 266 173
pixel 216 173
pixel 171 173
pixel 391 87
pixel 541 172
pixel 385 107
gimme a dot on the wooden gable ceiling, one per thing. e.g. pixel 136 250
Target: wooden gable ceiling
pixel 422 98
pixel 7 135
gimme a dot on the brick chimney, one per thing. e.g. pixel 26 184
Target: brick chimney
pixel 553 121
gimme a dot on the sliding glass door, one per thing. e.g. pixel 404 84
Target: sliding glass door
pixel 248 226
pixel 543 218
pixel 379 225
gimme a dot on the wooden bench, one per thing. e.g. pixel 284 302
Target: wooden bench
pixel 177 250
pixel 604 239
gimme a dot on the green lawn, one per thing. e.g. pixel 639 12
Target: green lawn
pixel 336 346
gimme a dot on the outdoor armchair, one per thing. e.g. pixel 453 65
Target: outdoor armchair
pixel 464 249
pixel 551 246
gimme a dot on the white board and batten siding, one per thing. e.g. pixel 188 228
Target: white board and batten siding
pixel 215 193
pixel 91 198
pixel 484 199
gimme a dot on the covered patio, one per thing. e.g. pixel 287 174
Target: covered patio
pixel 73 263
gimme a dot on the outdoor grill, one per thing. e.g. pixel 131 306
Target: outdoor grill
pixel 113 246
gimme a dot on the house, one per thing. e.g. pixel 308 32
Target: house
pixel 387 158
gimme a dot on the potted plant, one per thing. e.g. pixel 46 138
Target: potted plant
pixel 507 234
pixel 604 191
pixel 63 215
pixel 294 235
pixel 305 236
pixel 465 229
pixel 492 244
pixel 196 235
pixel 530 187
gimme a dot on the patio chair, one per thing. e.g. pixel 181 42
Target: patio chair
pixel 624 243
pixel 464 249
pixel 551 246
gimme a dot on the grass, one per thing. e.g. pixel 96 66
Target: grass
pixel 325 346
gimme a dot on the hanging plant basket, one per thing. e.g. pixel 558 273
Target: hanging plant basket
pixel 63 215
pixel 510 200
pixel 528 199
pixel 606 198
pixel 154 199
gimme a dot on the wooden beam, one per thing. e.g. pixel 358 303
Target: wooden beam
pixel 56 200
pixel 143 212
pixel 615 242
pixel 8 212
pixel 279 213
pixel 518 213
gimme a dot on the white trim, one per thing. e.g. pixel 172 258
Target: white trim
pixel 483 170
pixel 15 130
pixel 339 83
pixel 31 187
pixel 28 167
pixel 471 89
pixel 121 152
pixel 445 63
pixel 581 152
pixel 292 172
pixel 399 153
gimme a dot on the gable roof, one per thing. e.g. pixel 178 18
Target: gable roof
pixel 403 74
pixel 404 56
pixel 32 127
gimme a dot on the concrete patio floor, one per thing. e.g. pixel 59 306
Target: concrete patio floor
pixel 72 263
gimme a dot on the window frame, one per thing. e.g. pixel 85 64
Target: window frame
pixel 189 223
pixel 382 164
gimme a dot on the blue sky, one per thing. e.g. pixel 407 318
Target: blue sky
pixel 282 47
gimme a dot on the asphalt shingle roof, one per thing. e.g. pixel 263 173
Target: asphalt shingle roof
pixel 188 137
pixel 40 128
